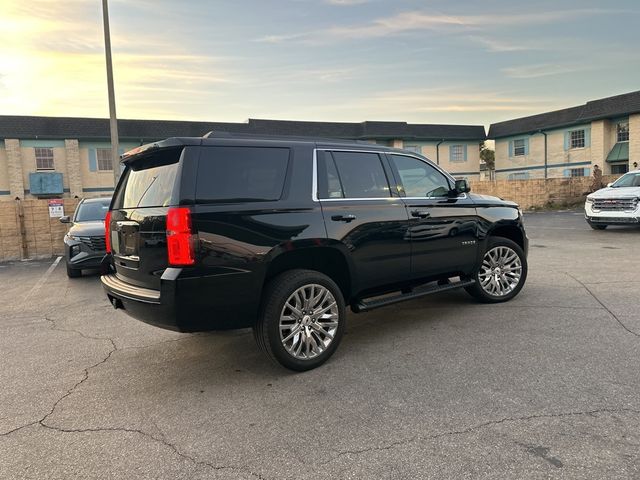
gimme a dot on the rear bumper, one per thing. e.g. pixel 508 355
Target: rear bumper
pixel 186 304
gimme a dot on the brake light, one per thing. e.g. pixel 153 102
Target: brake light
pixel 107 233
pixel 180 244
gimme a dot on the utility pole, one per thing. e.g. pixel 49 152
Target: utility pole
pixel 113 122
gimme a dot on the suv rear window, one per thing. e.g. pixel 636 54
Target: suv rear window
pixel 228 174
pixel 149 181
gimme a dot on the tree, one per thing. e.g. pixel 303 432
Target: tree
pixel 488 156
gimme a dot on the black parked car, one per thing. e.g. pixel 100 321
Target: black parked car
pixel 84 242
pixel 281 234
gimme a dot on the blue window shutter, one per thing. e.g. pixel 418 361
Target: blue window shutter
pixel 567 136
pixel 93 160
pixel 465 153
pixel 451 153
pixel 510 148
pixel 587 172
pixel 566 172
pixel 526 146
pixel 587 137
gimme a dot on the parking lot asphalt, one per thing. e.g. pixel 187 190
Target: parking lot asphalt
pixel 545 386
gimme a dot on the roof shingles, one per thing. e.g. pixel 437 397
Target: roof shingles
pixel 28 127
pixel 609 107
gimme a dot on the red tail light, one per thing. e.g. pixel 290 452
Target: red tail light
pixel 107 232
pixel 180 245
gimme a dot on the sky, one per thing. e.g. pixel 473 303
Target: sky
pixel 458 62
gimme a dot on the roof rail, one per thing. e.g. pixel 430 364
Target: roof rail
pixel 224 134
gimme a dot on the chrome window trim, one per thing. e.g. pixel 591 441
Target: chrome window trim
pixel 314 190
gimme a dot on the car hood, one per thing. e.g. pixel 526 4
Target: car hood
pixel 620 192
pixel 488 200
pixel 87 229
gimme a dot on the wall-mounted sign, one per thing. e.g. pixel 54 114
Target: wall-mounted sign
pixel 56 208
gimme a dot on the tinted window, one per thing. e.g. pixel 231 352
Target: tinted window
pixel 92 211
pixel 241 174
pixel 419 179
pixel 361 175
pixel 329 185
pixel 149 181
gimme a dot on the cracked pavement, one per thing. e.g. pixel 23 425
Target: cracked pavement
pixel 545 386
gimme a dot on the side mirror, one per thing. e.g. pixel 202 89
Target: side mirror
pixel 609 184
pixel 462 186
pixel 65 219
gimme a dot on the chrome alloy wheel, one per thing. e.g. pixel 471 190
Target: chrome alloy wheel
pixel 308 321
pixel 500 272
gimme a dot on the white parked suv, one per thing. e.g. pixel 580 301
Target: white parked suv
pixel 618 204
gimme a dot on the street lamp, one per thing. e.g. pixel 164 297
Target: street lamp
pixel 113 122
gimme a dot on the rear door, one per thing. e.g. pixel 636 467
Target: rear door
pixel 150 185
pixel 362 212
pixel 443 229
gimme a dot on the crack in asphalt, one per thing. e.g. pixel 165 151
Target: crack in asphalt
pixel 418 438
pixel 603 305
pixel 162 440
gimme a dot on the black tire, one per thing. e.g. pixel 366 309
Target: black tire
pixel 267 328
pixel 597 226
pixel 480 293
pixel 73 272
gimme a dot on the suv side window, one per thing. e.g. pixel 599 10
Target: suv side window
pixel 354 175
pixel 227 174
pixel 419 179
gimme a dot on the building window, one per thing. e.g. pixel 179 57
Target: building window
pixel 456 153
pixel 103 155
pixel 577 139
pixel 623 131
pixel 44 158
pixel 619 169
pixel 576 172
pixel 519 148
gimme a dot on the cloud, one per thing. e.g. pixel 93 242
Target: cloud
pixel 541 70
pixel 495 45
pixel 417 21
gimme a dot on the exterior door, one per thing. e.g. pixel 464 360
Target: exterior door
pixel 361 212
pixel 443 229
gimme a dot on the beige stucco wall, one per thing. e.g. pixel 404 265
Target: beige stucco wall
pixel 4 172
pixel 556 154
pixel 29 164
pixel 98 179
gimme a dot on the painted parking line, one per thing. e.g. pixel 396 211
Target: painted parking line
pixel 44 278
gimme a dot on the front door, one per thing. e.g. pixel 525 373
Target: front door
pixel 361 212
pixel 442 228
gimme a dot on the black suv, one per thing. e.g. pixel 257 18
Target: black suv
pixel 282 233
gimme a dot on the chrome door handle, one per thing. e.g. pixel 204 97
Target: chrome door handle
pixel 343 218
pixel 420 214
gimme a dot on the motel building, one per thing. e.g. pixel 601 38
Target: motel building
pixel 53 157
pixel 569 142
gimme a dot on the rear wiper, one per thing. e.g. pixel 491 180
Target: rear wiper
pixel 146 190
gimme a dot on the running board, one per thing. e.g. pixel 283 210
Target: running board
pixel 363 305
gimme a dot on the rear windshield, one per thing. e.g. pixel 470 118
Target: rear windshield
pixel 92 211
pixel 150 181
pixel 236 174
